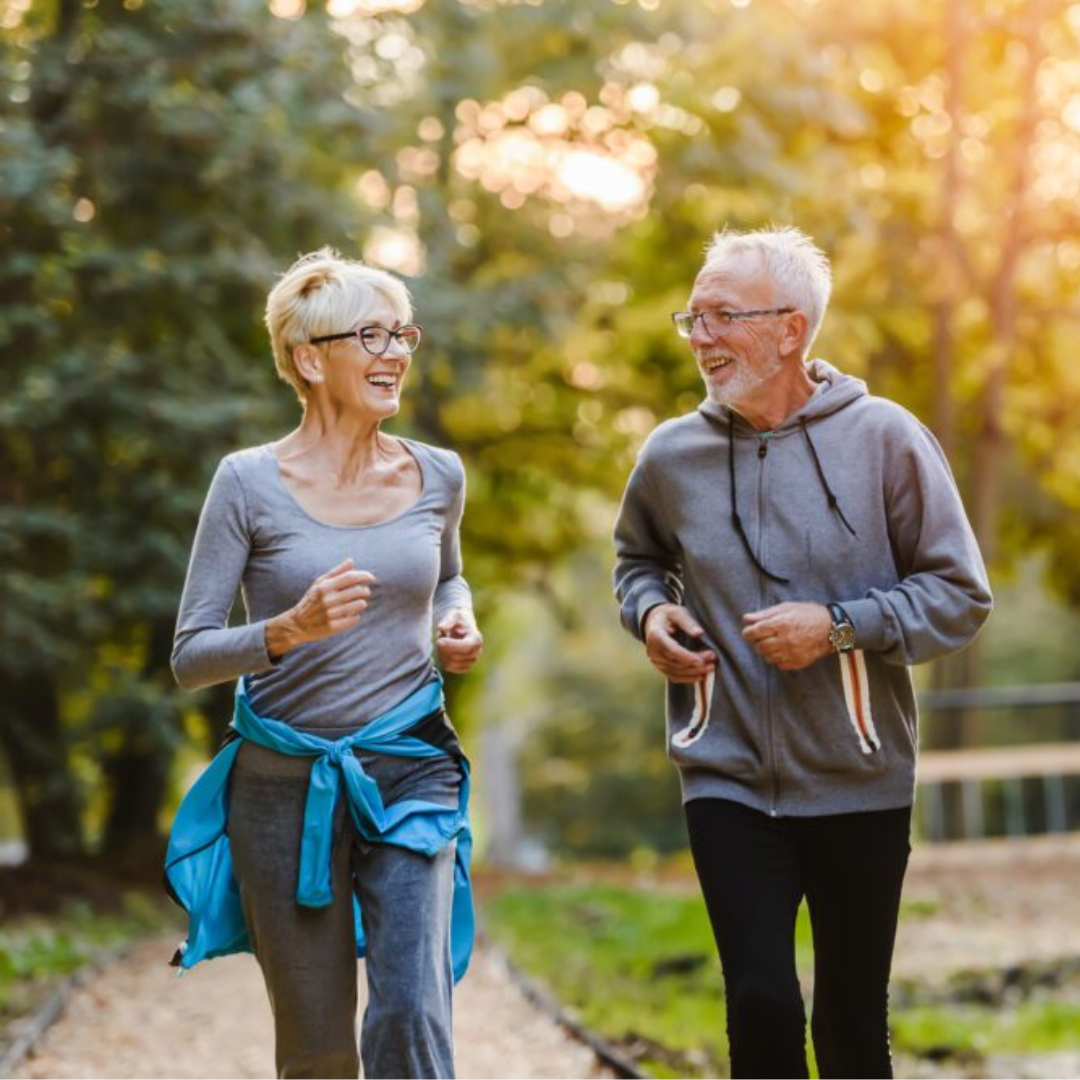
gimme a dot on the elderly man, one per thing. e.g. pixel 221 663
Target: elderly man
pixel 784 552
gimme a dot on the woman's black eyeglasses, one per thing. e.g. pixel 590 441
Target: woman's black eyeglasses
pixel 376 339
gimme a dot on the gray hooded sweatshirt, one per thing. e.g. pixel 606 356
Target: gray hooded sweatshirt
pixel 851 501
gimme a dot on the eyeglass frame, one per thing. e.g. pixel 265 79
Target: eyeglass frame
pixel 391 335
pixel 727 317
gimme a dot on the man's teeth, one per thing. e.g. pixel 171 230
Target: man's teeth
pixel 382 380
pixel 713 363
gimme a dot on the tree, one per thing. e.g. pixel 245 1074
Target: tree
pixel 546 175
pixel 170 160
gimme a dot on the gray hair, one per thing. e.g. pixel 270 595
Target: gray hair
pixel 797 267
pixel 325 293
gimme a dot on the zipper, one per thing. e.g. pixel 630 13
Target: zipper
pixel 762 453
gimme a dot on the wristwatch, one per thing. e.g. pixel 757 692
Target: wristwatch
pixel 842 634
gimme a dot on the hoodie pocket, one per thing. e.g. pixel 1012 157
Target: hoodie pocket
pixel 702 712
pixel 856 683
pixel 704 733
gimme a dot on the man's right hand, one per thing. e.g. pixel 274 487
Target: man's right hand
pixel 676 663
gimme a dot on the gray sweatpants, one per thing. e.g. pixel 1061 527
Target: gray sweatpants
pixel 308 956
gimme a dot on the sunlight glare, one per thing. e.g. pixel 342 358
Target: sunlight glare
pixel 601 179
pixel 726 99
pixel 288 9
pixel 347 9
pixel 567 151
pixel 397 250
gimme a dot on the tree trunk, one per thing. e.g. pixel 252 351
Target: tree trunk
pixel 136 779
pixel 137 775
pixel 992 441
pixel 950 730
pixel 33 742
pixel 988 456
pixel 217 706
pixel 950 272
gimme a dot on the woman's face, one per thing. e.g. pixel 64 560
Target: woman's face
pixel 355 378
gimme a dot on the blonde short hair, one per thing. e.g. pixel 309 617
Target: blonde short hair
pixel 798 268
pixel 325 293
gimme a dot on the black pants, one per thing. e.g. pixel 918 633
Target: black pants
pixel 754 871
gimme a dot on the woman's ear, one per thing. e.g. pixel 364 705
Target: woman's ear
pixel 309 363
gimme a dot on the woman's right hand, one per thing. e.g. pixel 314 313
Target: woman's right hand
pixel 334 602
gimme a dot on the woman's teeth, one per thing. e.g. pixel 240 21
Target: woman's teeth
pixel 382 380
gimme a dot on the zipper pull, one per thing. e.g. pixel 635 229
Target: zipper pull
pixel 763 448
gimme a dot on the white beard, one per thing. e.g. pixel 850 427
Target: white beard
pixel 742 384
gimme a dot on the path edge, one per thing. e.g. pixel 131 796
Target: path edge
pixel 28 1031
pixel 619 1063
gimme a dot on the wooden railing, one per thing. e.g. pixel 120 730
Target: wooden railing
pixel 1053 767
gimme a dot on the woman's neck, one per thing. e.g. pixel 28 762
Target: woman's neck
pixel 344 445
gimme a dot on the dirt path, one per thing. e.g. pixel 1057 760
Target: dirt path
pixel 997 903
pixel 139 1020
pixel 980 906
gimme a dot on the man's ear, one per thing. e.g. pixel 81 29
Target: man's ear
pixel 309 363
pixel 793 336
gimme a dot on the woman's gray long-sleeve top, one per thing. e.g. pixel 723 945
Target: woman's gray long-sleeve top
pixel 255 536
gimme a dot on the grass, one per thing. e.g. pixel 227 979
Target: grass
pixel 1038 1026
pixel 36 951
pixel 638 965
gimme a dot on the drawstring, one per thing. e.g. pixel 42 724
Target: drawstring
pixel 833 502
pixel 736 520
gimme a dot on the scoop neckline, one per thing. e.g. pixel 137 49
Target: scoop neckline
pixel 410 449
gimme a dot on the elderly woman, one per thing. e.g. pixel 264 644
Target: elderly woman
pixel 334 824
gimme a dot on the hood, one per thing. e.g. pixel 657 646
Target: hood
pixel 836 391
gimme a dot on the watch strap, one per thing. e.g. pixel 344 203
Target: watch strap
pixel 839 615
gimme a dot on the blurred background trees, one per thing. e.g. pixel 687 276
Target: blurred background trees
pixel 545 174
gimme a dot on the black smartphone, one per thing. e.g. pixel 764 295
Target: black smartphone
pixel 693 644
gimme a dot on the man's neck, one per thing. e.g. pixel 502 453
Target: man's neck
pixel 778 400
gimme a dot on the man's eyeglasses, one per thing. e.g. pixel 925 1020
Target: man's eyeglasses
pixel 376 339
pixel 720 320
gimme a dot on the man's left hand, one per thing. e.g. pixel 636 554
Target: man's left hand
pixel 791 635
pixel 458 641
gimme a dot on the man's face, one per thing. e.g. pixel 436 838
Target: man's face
pixel 737 361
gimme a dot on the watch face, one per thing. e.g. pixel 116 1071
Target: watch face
pixel 842 637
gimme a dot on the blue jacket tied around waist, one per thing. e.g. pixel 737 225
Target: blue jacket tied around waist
pixel 198 864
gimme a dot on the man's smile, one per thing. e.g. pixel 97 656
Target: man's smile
pixel 714 363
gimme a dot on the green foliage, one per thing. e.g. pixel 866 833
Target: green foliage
pixel 172 160
pixel 156 205
pixel 1031 1027
pixel 596 781
pixel 35 953
pixel 637 963
pixel 166 160
pixel 604 961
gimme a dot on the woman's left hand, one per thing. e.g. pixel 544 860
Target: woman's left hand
pixel 459 642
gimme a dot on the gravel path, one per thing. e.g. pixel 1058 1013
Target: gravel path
pixel 139 1020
